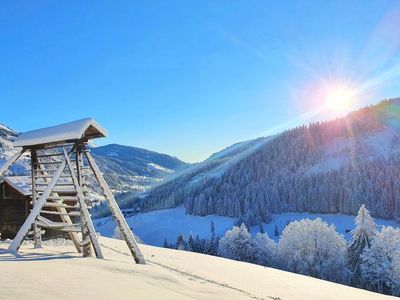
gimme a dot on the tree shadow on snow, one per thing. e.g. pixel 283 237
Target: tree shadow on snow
pixel 7 256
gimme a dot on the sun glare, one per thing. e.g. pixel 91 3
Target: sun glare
pixel 338 98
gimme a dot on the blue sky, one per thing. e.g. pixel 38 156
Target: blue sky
pixel 189 78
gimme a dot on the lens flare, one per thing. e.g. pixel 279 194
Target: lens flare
pixel 339 98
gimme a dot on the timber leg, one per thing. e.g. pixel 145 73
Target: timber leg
pixel 118 216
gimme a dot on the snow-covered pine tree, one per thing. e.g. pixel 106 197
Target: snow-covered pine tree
pixel 261 227
pixel 212 243
pixel 265 250
pixel 276 231
pixel 236 244
pixel 165 245
pixel 191 243
pixel 311 247
pixel 180 242
pixel 199 245
pixel 212 228
pixel 380 266
pixel 361 238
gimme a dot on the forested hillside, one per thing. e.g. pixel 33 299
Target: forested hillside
pixel 334 167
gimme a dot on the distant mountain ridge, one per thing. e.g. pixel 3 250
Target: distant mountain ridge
pixel 328 167
pixel 132 168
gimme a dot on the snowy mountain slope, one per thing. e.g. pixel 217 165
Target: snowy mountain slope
pixel 168 274
pixel 214 166
pixel 329 167
pixel 130 168
pixel 217 163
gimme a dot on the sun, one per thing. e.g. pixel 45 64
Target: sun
pixel 338 98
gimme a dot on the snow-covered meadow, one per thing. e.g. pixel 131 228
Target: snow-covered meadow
pixel 153 227
pixel 168 274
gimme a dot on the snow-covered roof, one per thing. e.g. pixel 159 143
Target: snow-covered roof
pixel 86 128
pixel 22 184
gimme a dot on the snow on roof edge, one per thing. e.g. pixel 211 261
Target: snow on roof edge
pixel 68 131
pixel 19 183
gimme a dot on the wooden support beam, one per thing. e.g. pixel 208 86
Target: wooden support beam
pixel 85 213
pixel 118 216
pixel 16 243
pixel 86 247
pixel 10 161
pixel 37 233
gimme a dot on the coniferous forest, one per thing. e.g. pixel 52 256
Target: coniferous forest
pixel 329 167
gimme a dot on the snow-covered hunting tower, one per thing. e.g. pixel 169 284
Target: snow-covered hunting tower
pixel 60 165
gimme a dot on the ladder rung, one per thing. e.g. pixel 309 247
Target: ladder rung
pixel 50 155
pixel 45 170
pixel 71 213
pixel 61 226
pixel 49 176
pixel 50 162
pixel 42 232
pixel 64 184
pixel 57 190
pixel 85 241
pixel 54 204
pixel 64 198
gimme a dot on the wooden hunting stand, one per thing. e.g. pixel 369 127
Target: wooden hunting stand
pixel 60 164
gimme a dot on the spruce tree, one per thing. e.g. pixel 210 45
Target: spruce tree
pixel 212 243
pixel 180 242
pixel 166 245
pixel 276 231
pixel 191 244
pixel 212 228
pixel 361 236
pixel 261 226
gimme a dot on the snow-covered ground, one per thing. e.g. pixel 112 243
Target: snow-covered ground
pixel 153 227
pixel 57 272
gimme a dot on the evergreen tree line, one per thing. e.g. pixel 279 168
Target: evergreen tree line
pixel 289 173
pixel 371 260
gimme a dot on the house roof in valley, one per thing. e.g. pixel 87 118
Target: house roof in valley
pixel 81 129
pixel 23 184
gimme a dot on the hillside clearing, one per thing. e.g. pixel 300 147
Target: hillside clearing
pixel 155 226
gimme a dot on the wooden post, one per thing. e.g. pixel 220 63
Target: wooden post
pixel 86 221
pixel 86 246
pixel 37 235
pixel 118 216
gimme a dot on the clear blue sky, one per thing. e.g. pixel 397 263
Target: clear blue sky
pixel 189 78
